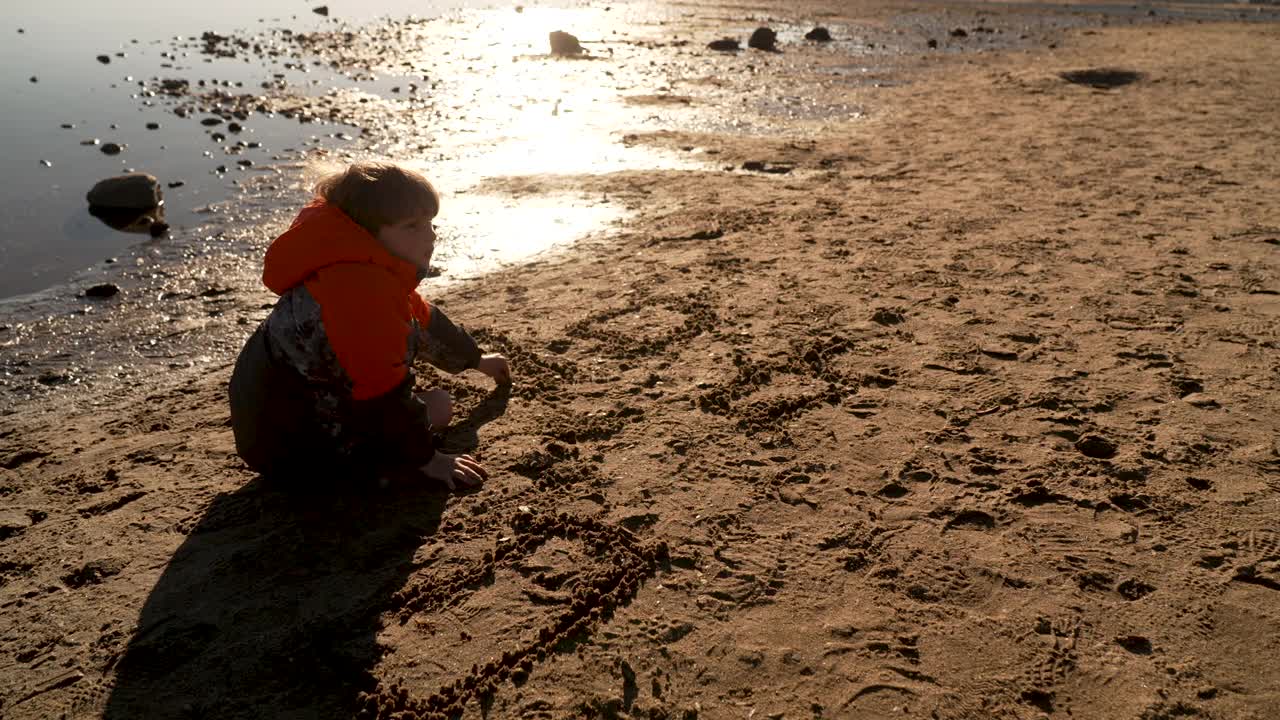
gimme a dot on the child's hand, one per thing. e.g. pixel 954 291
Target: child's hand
pixel 455 470
pixel 496 367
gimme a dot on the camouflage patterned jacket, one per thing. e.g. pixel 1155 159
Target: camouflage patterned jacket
pixel 326 381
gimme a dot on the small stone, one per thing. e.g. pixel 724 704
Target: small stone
pixel 158 228
pixel 959 33
pixel 211 121
pixel 321 10
pixel 932 43
pixel 112 148
pixel 1201 400
pixel 244 163
pixel 1096 446
pixel 562 43
pixel 90 141
pixel 724 45
pixel 67 126
pixel 104 290
pixel 818 34
pixel 234 127
pixel 46 163
pixel 177 184
pixel 763 39
pixel 34 79
pixel 153 126
pixel 104 59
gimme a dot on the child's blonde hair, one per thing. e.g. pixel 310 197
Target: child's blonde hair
pixel 376 193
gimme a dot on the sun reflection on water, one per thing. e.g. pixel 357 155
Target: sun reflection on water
pixel 521 111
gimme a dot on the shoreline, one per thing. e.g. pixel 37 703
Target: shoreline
pixel 179 287
pixel 968 410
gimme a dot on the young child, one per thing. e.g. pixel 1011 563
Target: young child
pixel 325 384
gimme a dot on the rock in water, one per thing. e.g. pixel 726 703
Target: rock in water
pixel 112 148
pixel 818 34
pixel 322 10
pixel 724 44
pixel 562 43
pixel 104 59
pixel 139 191
pixel 763 39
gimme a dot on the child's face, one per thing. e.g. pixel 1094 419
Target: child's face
pixel 413 240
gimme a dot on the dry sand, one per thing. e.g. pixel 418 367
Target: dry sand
pixel 971 414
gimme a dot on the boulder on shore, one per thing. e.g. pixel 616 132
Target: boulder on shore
pixel 139 191
pixel 562 43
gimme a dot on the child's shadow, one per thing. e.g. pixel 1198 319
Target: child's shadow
pixel 270 608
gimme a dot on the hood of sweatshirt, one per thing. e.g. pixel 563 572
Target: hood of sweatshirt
pixel 322 236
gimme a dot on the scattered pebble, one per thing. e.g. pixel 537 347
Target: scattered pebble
pixel 104 59
pixel 104 290
pixel 1096 446
pixel 112 148
pixel 562 43
pixel 724 45
pixel 764 39
pixel 153 126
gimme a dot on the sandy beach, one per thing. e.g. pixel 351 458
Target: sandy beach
pixel 965 406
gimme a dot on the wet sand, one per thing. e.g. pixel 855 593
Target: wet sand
pixel 964 407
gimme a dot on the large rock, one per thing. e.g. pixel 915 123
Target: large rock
pixel 135 191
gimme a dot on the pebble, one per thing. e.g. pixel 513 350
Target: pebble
pixel 763 39
pixel 104 290
pixel 104 59
pixel 724 44
pixel 90 141
pixel 562 43
pixel 1096 446
pixel 111 148
pixel 211 121
pixel 321 10
pixel 46 163
pixel 1200 400
pixel 818 34
pixel 153 126
pixel 34 79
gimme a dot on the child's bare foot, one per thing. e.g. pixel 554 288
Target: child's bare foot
pixel 439 407
pixel 455 471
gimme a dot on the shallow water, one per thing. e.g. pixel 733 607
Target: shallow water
pixel 495 122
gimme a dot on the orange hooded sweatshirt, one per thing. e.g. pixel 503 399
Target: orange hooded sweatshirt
pixel 367 296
